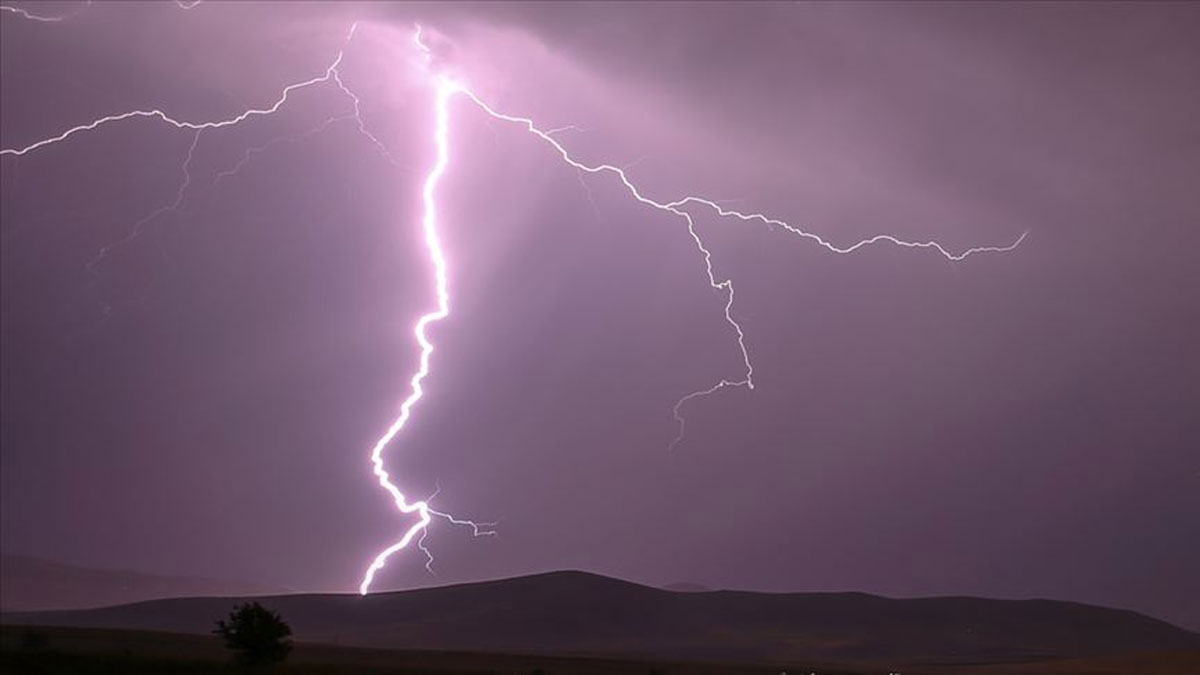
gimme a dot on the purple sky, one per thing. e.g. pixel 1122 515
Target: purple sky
pixel 1016 425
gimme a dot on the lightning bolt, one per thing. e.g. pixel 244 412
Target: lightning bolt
pixel 332 75
pixel 445 90
pixel 429 225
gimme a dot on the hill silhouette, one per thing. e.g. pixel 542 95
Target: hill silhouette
pixel 586 614
pixel 686 587
pixel 28 583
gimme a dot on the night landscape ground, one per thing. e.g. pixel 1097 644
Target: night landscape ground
pixel 574 622
pixel 70 651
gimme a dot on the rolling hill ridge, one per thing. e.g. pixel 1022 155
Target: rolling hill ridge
pixel 586 614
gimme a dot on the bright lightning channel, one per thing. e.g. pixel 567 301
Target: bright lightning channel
pixel 437 256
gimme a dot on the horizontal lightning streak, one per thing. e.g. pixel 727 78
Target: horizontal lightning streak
pixel 721 211
pixel 329 75
pixel 26 14
pixel 569 127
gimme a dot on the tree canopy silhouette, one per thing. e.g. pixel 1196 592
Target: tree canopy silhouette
pixel 257 635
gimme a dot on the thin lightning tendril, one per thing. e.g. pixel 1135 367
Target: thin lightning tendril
pixel 180 195
pixel 329 75
pixel 445 90
pixel 253 152
pixel 26 14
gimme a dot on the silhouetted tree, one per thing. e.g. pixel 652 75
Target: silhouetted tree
pixel 257 636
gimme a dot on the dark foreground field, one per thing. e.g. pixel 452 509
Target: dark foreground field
pixel 75 651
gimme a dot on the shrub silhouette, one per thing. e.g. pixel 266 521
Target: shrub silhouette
pixel 257 636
